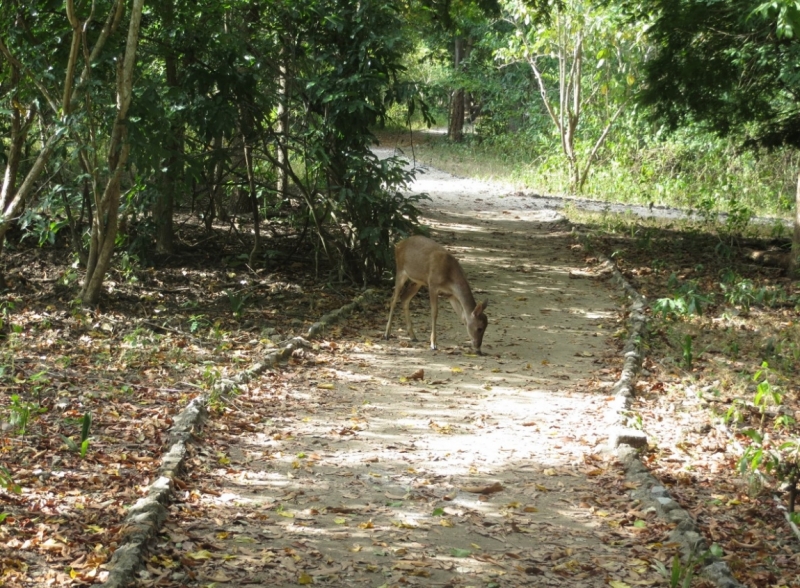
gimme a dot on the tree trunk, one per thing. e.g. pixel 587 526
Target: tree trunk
pixel 216 173
pixel 251 184
pixel 794 263
pixel 172 174
pixel 19 132
pixel 220 211
pixel 104 225
pixel 455 129
pixel 12 202
pixel 281 154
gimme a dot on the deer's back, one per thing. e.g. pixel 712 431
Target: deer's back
pixel 426 262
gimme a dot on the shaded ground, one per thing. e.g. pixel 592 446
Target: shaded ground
pixel 382 463
pixel 696 397
pixel 131 364
pixel 375 463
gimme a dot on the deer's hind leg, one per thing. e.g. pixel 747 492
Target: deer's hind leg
pixel 411 290
pixel 400 281
pixel 434 295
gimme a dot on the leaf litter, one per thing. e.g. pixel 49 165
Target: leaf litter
pixel 413 467
pixel 332 470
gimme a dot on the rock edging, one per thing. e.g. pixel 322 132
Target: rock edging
pixel 625 441
pixel 145 518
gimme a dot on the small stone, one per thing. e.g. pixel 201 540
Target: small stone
pixel 630 437
pixel 667 504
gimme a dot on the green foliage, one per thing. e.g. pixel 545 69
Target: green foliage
pixel 7 482
pixel 723 64
pixel 237 302
pixel 198 321
pixel 20 412
pixel 778 457
pixel 687 300
pixel 208 81
pixel 586 68
pixel 744 293
pixel 83 447
pixel 686 347
pixel 741 292
pixel 6 310
pixel 376 216
pixel 680 575
pixel 765 393
pixel 211 375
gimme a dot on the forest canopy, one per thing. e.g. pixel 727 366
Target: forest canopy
pixel 120 119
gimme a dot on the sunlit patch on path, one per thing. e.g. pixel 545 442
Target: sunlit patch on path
pixel 382 463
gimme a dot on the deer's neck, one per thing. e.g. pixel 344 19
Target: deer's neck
pixel 462 292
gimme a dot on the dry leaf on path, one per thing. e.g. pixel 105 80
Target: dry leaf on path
pixel 496 487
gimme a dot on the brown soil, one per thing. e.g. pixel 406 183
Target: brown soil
pixel 374 463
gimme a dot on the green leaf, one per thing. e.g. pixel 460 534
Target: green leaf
pixel 84 447
pixel 86 423
pixel 70 443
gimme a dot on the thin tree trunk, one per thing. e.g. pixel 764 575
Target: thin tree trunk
pixel 12 202
pixel 217 171
pixel 794 262
pixel 220 210
pixel 283 124
pixel 172 174
pixel 456 127
pixel 19 132
pixel 251 183
pixel 104 227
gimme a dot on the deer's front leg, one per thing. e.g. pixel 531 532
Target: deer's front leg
pixel 410 292
pixel 434 312
pixel 398 288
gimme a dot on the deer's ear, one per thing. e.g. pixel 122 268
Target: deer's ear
pixel 480 307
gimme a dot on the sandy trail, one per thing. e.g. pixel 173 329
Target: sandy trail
pixel 383 463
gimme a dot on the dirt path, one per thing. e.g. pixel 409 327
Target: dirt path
pixel 374 463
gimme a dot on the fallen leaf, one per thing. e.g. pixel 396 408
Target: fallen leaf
pixel 200 555
pixel 496 487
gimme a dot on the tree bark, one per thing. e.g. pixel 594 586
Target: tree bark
pixel 12 202
pixel 172 174
pixel 281 154
pixel 794 262
pixel 104 225
pixel 217 172
pixel 455 129
pixel 19 132
pixel 251 184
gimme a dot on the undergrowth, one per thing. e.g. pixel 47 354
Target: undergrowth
pixel 695 172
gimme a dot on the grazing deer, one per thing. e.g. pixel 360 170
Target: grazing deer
pixel 426 263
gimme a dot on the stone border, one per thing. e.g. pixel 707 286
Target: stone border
pixel 624 442
pixel 145 518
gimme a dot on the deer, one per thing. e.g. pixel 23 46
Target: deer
pixel 424 262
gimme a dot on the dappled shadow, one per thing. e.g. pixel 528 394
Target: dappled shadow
pixel 386 463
